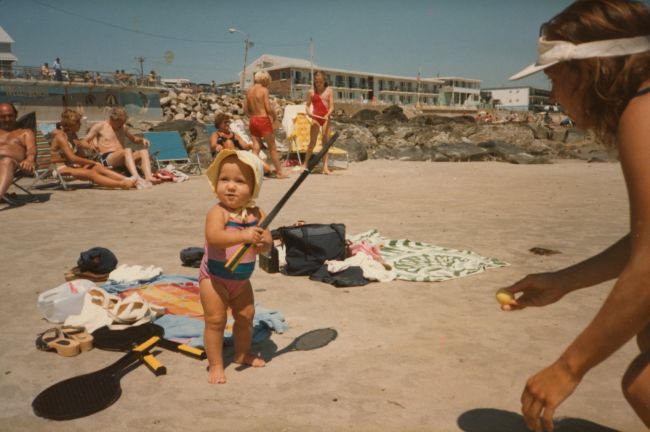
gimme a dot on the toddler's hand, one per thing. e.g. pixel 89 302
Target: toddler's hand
pixel 253 235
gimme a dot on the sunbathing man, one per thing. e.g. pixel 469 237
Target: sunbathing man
pixel 258 108
pixel 17 147
pixel 110 137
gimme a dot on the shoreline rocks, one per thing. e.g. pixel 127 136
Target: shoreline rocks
pixel 390 134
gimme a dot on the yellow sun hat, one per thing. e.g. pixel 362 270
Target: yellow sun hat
pixel 246 157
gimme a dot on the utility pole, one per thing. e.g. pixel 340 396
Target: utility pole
pixel 141 61
pixel 311 59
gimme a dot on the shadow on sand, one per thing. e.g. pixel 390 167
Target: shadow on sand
pixel 495 420
pixel 268 350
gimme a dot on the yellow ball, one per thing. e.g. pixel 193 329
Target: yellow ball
pixel 504 297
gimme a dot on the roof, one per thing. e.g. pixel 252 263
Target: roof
pixel 459 78
pixel 7 57
pixel 288 62
pixel 4 36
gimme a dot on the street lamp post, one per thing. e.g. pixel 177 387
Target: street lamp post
pixel 247 44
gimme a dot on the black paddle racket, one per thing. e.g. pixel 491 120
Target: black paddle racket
pixel 233 262
pixel 309 341
pixel 87 394
pixel 123 340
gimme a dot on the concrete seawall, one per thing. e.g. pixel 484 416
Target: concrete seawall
pixel 49 98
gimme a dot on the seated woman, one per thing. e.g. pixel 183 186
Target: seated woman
pixel 66 155
pixel 223 137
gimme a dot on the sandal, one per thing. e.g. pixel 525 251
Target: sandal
pixel 54 340
pixel 133 311
pixel 102 298
pixel 77 273
pixel 80 335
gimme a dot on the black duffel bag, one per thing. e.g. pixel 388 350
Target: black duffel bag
pixel 309 246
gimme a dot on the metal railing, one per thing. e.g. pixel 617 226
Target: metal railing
pixel 34 73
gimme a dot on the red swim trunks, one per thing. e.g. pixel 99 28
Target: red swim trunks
pixel 260 126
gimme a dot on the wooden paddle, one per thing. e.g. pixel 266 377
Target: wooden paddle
pixel 87 394
pixel 233 262
pixel 123 340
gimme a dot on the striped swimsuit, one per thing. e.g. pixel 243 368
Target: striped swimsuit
pixel 214 260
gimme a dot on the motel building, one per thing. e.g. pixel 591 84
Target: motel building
pixel 291 78
pixel 517 98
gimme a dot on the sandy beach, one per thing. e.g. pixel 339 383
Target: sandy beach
pixel 409 356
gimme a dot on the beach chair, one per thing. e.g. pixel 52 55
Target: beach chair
pixel 47 173
pixel 299 142
pixel 16 200
pixel 169 147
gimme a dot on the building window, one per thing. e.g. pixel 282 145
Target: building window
pixel 283 75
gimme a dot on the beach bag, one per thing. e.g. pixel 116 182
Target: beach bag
pixel 308 246
pixel 192 256
pixel 67 299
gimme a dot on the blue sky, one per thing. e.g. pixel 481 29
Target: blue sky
pixel 484 39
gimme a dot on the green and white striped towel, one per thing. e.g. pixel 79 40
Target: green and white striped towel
pixel 422 262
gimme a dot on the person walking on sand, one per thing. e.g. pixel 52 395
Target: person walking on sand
pixel 321 101
pixel 261 117
pixel 597 55
pixel 236 178
pixel 109 139
pixel 17 147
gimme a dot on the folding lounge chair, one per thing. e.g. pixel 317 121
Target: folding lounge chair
pixel 299 142
pixel 47 173
pixel 15 200
pixel 169 147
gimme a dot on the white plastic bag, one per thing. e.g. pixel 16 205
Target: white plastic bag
pixel 66 299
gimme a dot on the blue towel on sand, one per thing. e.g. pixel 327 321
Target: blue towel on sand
pixel 190 330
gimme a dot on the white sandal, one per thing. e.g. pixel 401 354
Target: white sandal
pixel 103 298
pixel 132 311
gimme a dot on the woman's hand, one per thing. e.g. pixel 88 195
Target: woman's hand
pixel 544 392
pixel 538 289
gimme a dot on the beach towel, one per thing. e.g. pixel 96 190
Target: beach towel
pixel 422 262
pixel 190 330
pixel 183 318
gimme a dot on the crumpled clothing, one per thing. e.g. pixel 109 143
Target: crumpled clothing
pixel 372 270
pixel 136 273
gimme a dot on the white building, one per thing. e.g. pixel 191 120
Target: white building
pixel 7 59
pixel 459 91
pixel 517 98
pixel 291 78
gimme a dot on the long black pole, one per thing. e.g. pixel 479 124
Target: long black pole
pixel 231 265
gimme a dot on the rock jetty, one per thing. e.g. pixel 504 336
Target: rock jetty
pixel 393 133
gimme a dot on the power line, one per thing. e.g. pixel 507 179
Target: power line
pixel 129 29
pixel 160 36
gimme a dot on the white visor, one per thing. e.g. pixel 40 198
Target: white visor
pixel 553 52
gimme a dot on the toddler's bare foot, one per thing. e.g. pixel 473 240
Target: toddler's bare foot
pixel 216 375
pixel 326 171
pixel 250 360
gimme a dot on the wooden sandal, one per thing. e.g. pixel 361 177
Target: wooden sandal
pixel 80 335
pixel 54 340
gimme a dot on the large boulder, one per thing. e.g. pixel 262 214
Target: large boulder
pixel 392 114
pixel 462 152
pixel 511 153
